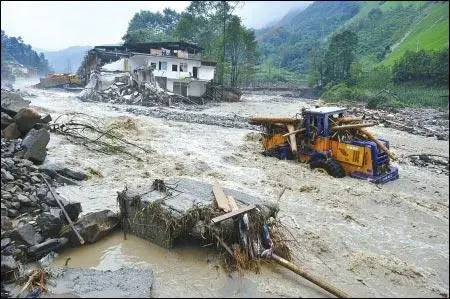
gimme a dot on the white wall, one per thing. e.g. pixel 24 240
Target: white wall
pixel 196 88
pixel 206 72
pixel 169 85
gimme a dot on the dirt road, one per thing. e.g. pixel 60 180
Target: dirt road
pixel 388 240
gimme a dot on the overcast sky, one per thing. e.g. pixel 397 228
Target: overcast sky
pixel 57 25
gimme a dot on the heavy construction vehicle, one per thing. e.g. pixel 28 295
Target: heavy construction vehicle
pixel 59 80
pixel 329 140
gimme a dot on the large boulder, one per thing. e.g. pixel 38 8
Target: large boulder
pixel 11 131
pixel 26 119
pixel 49 224
pixel 12 102
pixel 34 145
pixel 26 234
pixel 40 250
pixel 93 226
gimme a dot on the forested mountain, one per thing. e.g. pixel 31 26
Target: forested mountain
pixel 385 31
pixel 14 50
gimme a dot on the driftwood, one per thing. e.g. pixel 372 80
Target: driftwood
pixel 273 120
pixel 64 211
pixel 352 126
pixel 381 145
pixel 309 276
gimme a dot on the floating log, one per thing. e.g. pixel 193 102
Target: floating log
pixel 314 279
pixel 273 120
pixel 352 126
pixel 381 145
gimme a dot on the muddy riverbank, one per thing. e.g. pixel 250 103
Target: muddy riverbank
pixel 388 240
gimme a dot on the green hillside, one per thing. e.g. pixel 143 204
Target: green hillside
pixel 430 33
pixel 385 30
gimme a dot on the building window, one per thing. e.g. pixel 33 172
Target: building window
pixel 162 66
pixel 153 65
pixel 183 67
pixel 174 68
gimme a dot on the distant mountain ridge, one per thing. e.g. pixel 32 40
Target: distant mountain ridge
pixel 66 60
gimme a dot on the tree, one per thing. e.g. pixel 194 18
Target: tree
pixel 339 57
pixel 146 26
pixel 241 48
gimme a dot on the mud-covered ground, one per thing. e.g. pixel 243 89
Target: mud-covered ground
pixel 369 240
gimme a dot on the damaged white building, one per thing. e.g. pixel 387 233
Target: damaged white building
pixel 176 66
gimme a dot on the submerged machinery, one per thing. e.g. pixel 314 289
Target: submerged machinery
pixel 327 139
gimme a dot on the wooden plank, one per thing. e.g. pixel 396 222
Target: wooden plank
pixel 221 198
pixel 232 203
pixel 232 214
pixel 292 139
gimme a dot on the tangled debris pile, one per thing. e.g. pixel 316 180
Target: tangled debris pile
pixel 419 121
pixel 122 88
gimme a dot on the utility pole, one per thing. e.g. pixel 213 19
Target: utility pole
pixel 417 46
pixel 69 69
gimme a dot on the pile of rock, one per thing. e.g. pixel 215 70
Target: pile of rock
pixel 33 224
pixel 419 121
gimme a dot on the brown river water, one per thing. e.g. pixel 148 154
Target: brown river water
pixel 389 240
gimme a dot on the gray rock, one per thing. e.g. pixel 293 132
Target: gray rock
pixel 12 102
pixel 35 179
pixel 26 234
pixel 24 200
pixel 6 195
pixel 73 209
pixel 76 175
pixel 15 205
pixel 49 224
pixel 6 223
pixel 8 264
pixel 7 175
pixel 12 213
pixel 47 119
pixel 40 250
pixel 35 144
pixel 6 120
pixel 93 226
pixel 5 242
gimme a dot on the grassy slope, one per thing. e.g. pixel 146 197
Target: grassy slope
pixel 431 32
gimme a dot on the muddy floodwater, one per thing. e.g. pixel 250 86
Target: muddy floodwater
pixel 369 240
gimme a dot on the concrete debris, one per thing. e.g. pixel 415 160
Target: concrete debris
pixel 91 283
pixel 162 215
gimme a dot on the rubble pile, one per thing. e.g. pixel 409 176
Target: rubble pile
pixel 419 121
pixel 121 88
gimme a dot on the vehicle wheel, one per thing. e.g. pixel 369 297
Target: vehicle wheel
pixel 335 169
pixel 331 166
